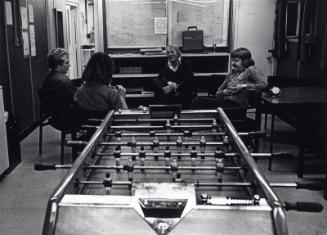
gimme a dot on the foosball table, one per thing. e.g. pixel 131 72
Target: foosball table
pixel 167 171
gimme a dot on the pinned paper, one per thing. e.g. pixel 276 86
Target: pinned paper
pixel 160 25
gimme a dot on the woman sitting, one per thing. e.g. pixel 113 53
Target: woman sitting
pixel 232 93
pixel 96 93
pixel 174 84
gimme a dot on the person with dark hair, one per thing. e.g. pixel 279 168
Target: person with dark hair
pixel 96 92
pixel 232 93
pixel 57 86
pixel 174 84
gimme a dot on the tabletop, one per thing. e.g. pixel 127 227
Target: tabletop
pixel 298 96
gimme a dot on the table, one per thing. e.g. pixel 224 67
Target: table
pixel 296 102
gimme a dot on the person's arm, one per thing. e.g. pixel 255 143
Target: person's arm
pixel 186 74
pixel 122 94
pixel 116 97
pixel 256 80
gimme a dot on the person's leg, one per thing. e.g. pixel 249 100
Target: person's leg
pixel 205 103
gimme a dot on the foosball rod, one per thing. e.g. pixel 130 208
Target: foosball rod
pixel 42 167
pixel 164 134
pixel 147 127
pixel 297 185
pixel 164 120
pixel 148 143
pixel 210 154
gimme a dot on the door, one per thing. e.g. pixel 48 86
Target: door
pixel 253 28
pixel 73 41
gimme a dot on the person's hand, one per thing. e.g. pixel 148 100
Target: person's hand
pixel 121 90
pixel 236 88
pixel 219 95
pixel 172 85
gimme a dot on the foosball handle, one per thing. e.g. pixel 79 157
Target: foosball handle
pixel 303 206
pixel 282 154
pixel 309 186
pixel 44 167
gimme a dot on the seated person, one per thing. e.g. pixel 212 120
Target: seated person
pixel 59 90
pixel 232 93
pixel 174 84
pixel 96 93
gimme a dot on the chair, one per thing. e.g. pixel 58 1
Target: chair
pixel 57 119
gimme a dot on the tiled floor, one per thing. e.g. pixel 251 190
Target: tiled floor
pixel 24 193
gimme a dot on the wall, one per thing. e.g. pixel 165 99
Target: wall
pixel 22 75
pixel 252 27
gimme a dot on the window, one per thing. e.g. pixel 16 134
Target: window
pixel 292 19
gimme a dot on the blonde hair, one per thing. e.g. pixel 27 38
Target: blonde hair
pixel 173 48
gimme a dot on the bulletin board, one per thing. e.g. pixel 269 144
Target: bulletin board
pixel 133 23
pixel 211 16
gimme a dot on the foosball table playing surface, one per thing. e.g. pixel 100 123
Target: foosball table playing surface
pixel 165 172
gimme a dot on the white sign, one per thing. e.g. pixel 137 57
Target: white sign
pixel 160 25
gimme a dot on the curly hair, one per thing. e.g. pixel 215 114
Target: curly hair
pixel 56 57
pixel 173 48
pixel 99 69
pixel 245 55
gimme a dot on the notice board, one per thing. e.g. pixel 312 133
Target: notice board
pixel 132 23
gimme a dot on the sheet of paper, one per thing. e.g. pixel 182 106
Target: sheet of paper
pixel 23 13
pixel 26 43
pixel 32 40
pixel 9 13
pixel 160 25
pixel 30 13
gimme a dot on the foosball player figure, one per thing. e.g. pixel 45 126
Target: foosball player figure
pixel 226 143
pixel 142 157
pixel 187 137
pixel 194 156
pixel 173 169
pixel 168 129
pixel 118 135
pixel 130 169
pixel 117 154
pixel 214 126
pixel 220 169
pixel 175 120
pixel 132 144
pixel 178 177
pixel 219 154
pixel 107 183
pixel 179 146
pixel 155 147
pixel 152 134
pixel 167 157
pixel 256 199
pixel 203 144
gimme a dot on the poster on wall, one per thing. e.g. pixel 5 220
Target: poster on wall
pixel 9 13
pixel 32 40
pixel 30 13
pixel 23 14
pixel 25 43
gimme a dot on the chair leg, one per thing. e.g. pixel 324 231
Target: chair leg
pixel 40 139
pixel 74 150
pixel 265 123
pixel 62 148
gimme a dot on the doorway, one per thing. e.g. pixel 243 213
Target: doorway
pixel 73 41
